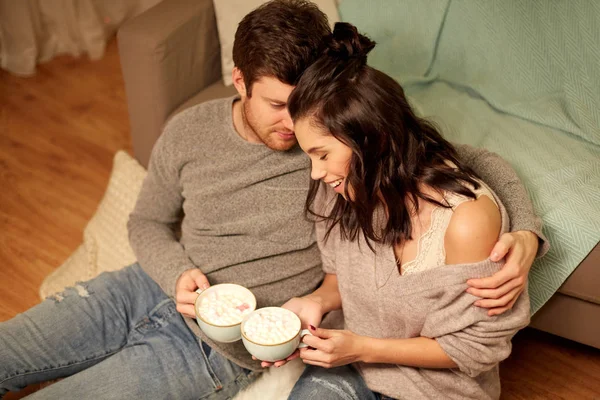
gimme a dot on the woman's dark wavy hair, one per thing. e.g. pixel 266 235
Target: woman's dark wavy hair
pixel 393 150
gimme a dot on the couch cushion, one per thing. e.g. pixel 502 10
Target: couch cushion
pixel 560 171
pixel 406 29
pixel 571 318
pixel 167 54
pixel 584 282
pixel 217 90
pixel 229 14
pixel 536 59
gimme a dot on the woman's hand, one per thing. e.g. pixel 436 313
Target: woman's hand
pixel 332 348
pixel 500 291
pixel 309 311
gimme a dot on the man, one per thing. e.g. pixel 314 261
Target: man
pixel 232 169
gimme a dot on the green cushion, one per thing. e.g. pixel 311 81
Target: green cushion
pixel 536 59
pixel 405 31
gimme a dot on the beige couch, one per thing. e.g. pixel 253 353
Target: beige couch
pixel 170 58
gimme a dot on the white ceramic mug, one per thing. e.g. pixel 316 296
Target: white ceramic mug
pixel 277 351
pixel 223 333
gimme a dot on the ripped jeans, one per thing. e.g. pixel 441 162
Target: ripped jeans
pixel 341 383
pixel 117 336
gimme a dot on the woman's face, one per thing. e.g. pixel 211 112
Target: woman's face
pixel 330 158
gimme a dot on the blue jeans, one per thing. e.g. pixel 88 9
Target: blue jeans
pixel 117 336
pixel 341 383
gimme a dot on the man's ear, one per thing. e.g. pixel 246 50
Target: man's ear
pixel 238 81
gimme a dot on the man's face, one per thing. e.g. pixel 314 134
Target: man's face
pixel 266 116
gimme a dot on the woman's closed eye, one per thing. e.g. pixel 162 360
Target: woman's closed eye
pixel 323 157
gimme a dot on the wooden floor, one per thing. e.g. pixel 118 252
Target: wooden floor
pixel 58 133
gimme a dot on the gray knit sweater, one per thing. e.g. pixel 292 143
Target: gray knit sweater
pixel 241 211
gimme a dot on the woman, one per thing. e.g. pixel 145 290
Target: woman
pixel 402 225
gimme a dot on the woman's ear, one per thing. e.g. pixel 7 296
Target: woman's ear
pixel 238 81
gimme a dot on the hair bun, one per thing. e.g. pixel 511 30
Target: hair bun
pixel 346 43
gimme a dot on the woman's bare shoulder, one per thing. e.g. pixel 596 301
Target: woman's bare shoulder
pixel 472 232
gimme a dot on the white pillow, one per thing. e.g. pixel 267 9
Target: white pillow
pixel 106 237
pixel 229 13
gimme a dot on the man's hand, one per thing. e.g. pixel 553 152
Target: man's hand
pixel 330 348
pixel 185 290
pixel 307 309
pixel 500 291
pixel 310 313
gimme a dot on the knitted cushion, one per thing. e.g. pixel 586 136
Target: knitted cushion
pixel 105 237
pixel 76 268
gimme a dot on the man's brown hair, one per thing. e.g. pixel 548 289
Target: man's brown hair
pixel 281 39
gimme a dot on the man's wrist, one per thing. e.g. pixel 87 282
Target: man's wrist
pixel 317 300
pixel 530 238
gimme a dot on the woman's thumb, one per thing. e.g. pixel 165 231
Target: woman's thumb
pixel 320 332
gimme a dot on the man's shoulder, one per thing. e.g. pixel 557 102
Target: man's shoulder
pixel 207 114
pixel 187 132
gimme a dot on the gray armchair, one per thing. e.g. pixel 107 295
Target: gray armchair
pixel 170 57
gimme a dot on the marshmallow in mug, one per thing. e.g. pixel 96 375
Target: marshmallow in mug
pixel 274 333
pixel 224 307
pixel 271 326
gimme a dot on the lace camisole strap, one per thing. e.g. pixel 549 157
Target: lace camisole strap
pixel 430 247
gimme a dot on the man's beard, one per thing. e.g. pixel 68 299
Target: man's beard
pixel 250 125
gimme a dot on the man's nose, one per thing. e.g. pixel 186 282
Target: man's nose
pixel 287 122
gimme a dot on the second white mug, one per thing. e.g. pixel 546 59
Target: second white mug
pixel 275 351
